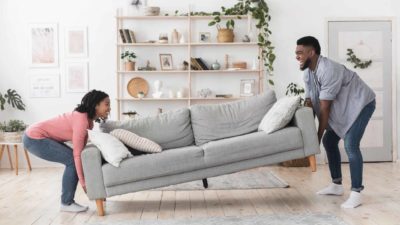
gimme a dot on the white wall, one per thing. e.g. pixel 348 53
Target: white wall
pixel 291 19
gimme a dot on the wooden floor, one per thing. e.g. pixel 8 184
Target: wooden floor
pixel 33 198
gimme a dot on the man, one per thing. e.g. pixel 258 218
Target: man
pixel 343 104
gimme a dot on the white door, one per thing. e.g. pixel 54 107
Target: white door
pixel 369 40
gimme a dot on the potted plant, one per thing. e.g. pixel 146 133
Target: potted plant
pixel 129 57
pixel 140 94
pixel 12 98
pixel 12 130
pixel 224 34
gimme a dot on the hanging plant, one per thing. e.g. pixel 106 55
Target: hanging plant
pixel 356 61
pixel 260 12
pixel 293 90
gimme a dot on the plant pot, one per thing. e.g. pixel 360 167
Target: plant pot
pixel 12 136
pixel 129 66
pixel 225 35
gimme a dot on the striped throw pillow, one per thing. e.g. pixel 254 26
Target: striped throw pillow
pixel 135 141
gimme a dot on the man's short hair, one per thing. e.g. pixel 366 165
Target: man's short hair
pixel 311 42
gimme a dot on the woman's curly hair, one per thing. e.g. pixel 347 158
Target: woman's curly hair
pixel 89 102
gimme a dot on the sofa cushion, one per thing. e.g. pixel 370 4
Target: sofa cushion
pixel 173 161
pixel 251 146
pixel 213 122
pixel 170 129
pixel 135 141
pixel 112 150
pixel 280 114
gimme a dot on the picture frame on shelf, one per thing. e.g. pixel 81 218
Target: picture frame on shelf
pixel 43 44
pixel 166 62
pixel 204 37
pixel 76 42
pixel 247 87
pixel 76 77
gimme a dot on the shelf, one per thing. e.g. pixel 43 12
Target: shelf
pixel 186 71
pixel 152 99
pixel 176 99
pixel 192 44
pixel 225 44
pixel 225 71
pixel 153 71
pixel 152 17
pixel 172 17
pixel 222 17
pixel 151 44
pixel 205 99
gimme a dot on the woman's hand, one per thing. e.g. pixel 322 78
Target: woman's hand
pixel 84 188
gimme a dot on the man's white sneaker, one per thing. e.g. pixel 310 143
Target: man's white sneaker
pixel 74 207
pixel 332 189
pixel 353 201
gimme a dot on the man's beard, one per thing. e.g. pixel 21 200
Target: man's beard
pixel 306 64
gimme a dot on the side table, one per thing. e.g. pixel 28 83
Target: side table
pixel 15 144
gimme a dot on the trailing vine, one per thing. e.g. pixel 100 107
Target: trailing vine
pixel 260 13
pixel 356 61
pixel 293 90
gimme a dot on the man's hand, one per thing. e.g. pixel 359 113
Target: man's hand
pixel 325 109
pixel 84 189
pixel 307 102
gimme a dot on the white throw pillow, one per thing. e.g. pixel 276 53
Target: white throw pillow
pixel 112 150
pixel 280 114
pixel 135 141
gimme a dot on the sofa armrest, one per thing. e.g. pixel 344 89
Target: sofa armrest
pixel 304 119
pixel 92 162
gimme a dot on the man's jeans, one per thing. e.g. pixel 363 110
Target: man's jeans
pixel 352 146
pixel 54 151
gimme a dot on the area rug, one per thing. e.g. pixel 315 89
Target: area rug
pixel 283 219
pixel 258 178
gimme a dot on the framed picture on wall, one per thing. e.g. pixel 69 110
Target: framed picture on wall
pixel 76 43
pixel 43 45
pixel 76 77
pixel 247 87
pixel 44 85
pixel 166 61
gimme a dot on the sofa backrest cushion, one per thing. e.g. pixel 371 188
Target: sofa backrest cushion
pixel 170 129
pixel 218 121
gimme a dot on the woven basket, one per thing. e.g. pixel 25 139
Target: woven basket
pixel 225 35
pixel 304 162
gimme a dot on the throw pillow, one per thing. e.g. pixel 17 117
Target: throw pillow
pixel 135 141
pixel 280 114
pixel 112 150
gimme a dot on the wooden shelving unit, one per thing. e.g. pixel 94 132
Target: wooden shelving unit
pixel 189 45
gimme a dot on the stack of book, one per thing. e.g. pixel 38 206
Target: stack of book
pixel 127 36
pixel 198 64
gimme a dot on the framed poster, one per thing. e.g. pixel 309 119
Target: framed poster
pixel 76 75
pixel 43 45
pixel 44 85
pixel 76 43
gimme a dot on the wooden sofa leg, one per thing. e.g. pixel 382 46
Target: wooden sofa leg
pixel 313 163
pixel 100 207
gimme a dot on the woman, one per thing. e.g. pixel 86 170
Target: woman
pixel 46 140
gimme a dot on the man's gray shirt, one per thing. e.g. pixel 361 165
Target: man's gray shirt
pixel 349 94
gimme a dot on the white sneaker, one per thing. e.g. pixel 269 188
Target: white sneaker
pixel 332 189
pixel 353 201
pixel 74 207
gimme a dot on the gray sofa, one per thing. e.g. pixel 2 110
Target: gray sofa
pixel 200 142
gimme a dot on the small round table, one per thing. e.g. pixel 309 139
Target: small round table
pixel 15 144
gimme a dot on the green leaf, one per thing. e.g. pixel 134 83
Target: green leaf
pixel 271 82
pixel 212 23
